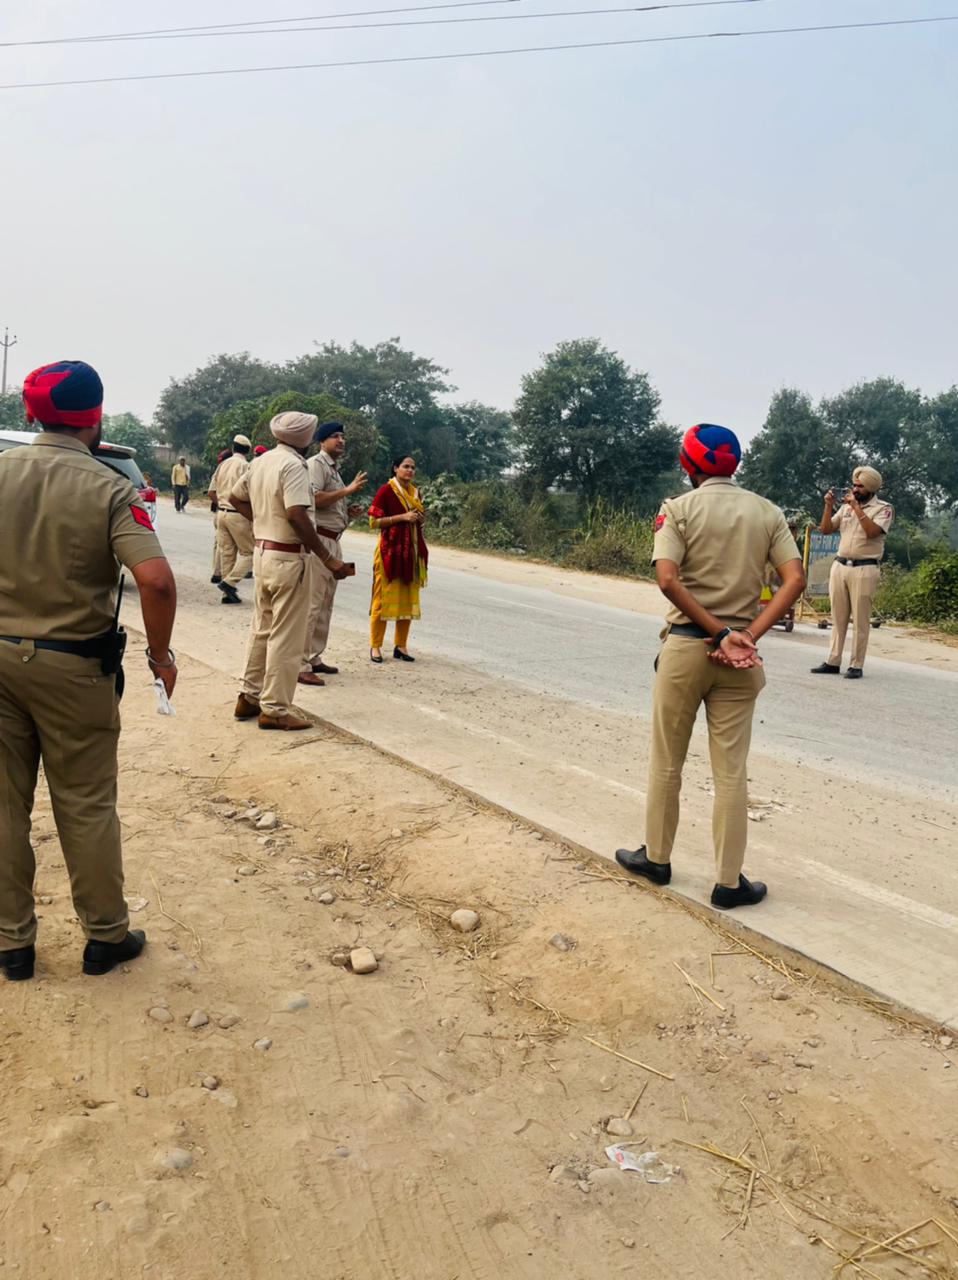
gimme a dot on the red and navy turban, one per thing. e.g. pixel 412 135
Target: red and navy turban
pixel 68 393
pixel 708 450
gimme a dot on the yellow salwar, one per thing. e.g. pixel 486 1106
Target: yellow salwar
pixel 398 601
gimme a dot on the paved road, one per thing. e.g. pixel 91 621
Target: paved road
pixel 535 700
pixel 879 730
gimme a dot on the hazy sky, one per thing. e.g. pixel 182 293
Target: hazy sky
pixel 730 216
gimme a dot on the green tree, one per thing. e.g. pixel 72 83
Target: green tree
pixel 366 449
pixel 483 440
pixel 396 389
pixel 127 428
pixel 884 424
pixel 12 414
pixel 587 422
pixel 187 407
pixel 941 459
pixel 795 457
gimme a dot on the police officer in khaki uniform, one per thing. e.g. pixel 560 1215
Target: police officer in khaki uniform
pixel 332 514
pixel 711 548
pixel 67 523
pixel 216 575
pixel 234 533
pixel 275 495
pixel 863 520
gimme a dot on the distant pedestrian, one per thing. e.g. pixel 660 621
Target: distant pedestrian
pixel 332 514
pixel 710 551
pixel 275 494
pixel 216 574
pixel 401 559
pixel 863 520
pixel 180 479
pixel 67 524
pixel 234 533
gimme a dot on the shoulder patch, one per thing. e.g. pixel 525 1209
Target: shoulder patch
pixel 140 516
pixel 659 521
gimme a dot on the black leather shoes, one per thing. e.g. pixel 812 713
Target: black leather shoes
pixel 854 673
pixel 17 964
pixel 216 578
pixel 101 957
pixel 745 895
pixel 826 669
pixel 230 594
pixel 401 656
pixel 636 861
pixel 321 669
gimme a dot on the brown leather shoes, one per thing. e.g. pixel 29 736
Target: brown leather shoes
pixel 283 722
pixel 307 677
pixel 245 710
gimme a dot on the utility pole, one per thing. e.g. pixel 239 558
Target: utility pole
pixel 7 343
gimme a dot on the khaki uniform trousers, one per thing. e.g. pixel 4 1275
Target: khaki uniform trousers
pixel 60 709
pixel 852 591
pixel 234 540
pixel 322 593
pixel 277 632
pixel 686 678
pixel 216 547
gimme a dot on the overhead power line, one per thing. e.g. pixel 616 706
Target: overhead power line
pixel 485 53
pixel 435 22
pixel 269 26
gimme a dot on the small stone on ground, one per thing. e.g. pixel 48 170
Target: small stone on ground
pixel 464 920
pixel 362 960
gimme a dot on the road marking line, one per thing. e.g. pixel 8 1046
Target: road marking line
pixel 885 897
pixel 613 784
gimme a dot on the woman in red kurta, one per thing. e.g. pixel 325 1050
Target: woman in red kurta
pixel 400 560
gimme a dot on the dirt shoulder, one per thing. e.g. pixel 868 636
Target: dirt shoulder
pixel 442 1117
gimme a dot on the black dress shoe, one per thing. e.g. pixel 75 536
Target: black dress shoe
pixel 101 957
pixel 400 656
pixel 854 673
pixel 230 594
pixel 216 578
pixel 636 861
pixel 826 669
pixel 321 669
pixel 745 894
pixel 18 963
pixel 372 658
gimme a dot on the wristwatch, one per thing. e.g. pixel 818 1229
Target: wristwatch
pixel 717 640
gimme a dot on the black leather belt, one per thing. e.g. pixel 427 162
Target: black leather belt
pixel 855 564
pixel 94 648
pixel 689 629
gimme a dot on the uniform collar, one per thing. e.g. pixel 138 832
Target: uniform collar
pixel 716 480
pixel 54 440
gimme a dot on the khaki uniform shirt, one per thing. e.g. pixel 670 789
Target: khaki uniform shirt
pixel 180 475
pixel 67 523
pixel 854 543
pixel 325 478
pixel 279 480
pixel 722 537
pixel 225 477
